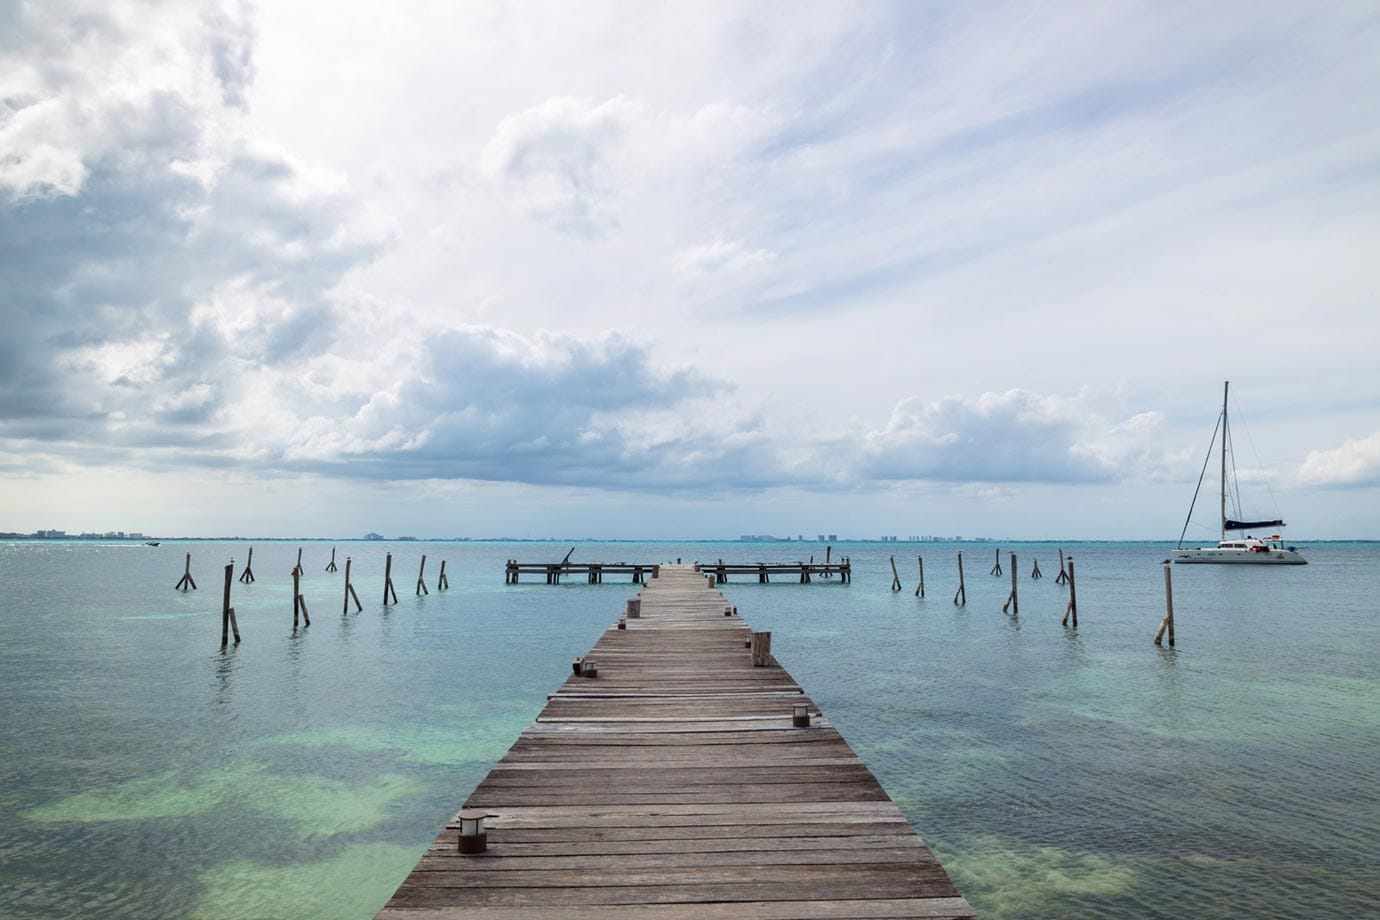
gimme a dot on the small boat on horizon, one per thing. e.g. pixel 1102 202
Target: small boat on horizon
pixel 150 542
pixel 1247 550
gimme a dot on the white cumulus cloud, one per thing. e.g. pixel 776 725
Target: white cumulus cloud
pixel 1355 463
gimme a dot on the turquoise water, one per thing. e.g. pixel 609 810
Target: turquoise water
pixel 1055 772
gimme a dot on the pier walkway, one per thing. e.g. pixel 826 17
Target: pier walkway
pixel 674 785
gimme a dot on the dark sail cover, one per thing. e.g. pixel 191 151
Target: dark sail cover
pixel 1252 525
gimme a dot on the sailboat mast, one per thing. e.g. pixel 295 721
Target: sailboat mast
pixel 1225 385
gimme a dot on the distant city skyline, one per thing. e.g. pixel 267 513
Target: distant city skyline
pixel 687 271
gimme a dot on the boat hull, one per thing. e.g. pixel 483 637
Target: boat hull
pixel 1218 556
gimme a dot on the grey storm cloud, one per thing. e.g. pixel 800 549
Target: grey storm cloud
pixel 484 404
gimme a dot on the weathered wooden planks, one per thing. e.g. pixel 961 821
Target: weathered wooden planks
pixel 674 785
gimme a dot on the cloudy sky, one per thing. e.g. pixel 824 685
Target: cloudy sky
pixel 687 269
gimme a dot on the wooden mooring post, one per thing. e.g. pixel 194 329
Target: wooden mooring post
pixel 350 591
pixel 996 568
pixel 962 590
pixel 388 580
pixel 1072 608
pixel 298 567
pixel 1035 568
pixel 1168 621
pixel 920 588
pixel 1012 601
pixel 186 579
pixel 421 585
pixel 895 578
pixel 227 613
pixel 442 582
pixel 1063 577
pixel 247 576
pixel 331 567
pixel 761 649
pixel 299 603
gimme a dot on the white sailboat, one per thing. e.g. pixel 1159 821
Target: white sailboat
pixel 1248 550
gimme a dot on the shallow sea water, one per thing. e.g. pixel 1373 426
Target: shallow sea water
pixel 1055 772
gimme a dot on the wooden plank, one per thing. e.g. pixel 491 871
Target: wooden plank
pixel 673 783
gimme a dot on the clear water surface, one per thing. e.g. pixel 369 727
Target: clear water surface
pixel 146 773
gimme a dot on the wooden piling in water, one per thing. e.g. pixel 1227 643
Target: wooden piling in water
pixel 298 567
pixel 996 568
pixel 1012 601
pixel 895 578
pixel 421 585
pixel 962 590
pixel 299 603
pixel 388 580
pixel 186 579
pixel 331 567
pixel 247 576
pixel 1035 569
pixel 350 591
pixel 1168 621
pixel 442 582
pixel 1072 608
pixel 1063 577
pixel 920 588
pixel 227 613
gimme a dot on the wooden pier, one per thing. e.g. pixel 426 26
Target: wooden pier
pixel 676 784
pixel 594 572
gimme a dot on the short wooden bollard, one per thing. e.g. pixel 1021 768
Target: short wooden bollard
pixel 895 578
pixel 388 580
pixel 442 582
pixel 299 603
pixel 1168 621
pixel 634 608
pixel 962 589
pixel 996 568
pixel 1063 577
pixel 1072 608
pixel 1011 601
pixel 350 591
pixel 298 567
pixel 761 649
pixel 331 567
pixel 709 581
pixel 186 579
pixel 247 576
pixel 656 571
pixel 1035 569
pixel 421 585
pixel 227 613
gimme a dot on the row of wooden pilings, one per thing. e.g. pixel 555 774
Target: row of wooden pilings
pixel 1066 576
pixel 1013 604
pixel 300 615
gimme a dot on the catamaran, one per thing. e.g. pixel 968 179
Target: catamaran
pixel 1253 550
